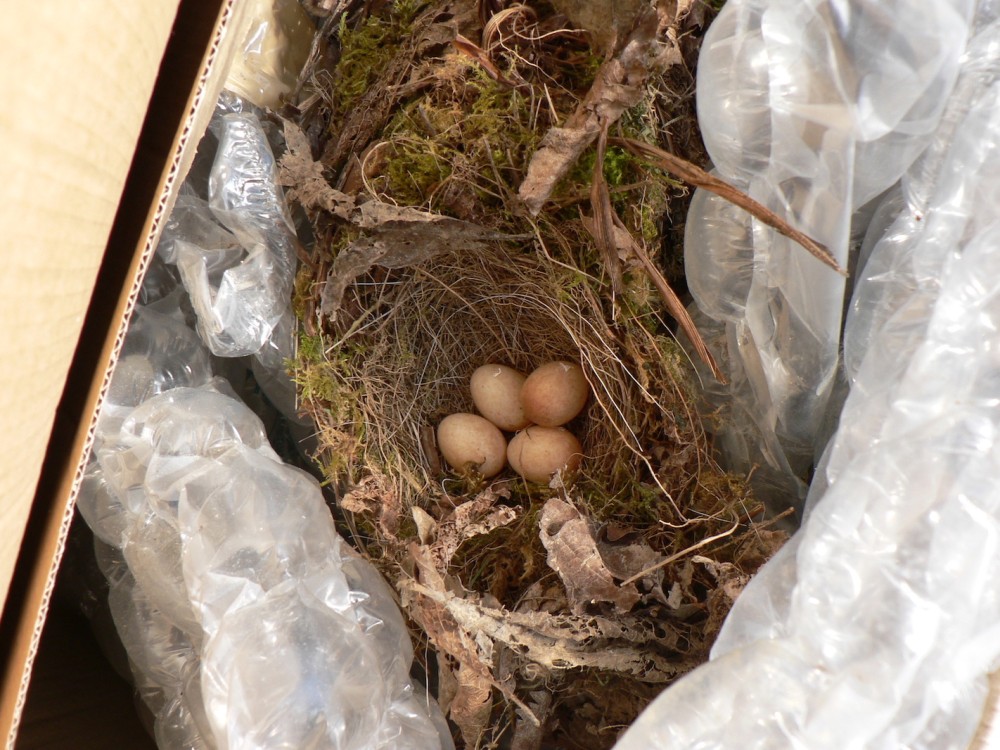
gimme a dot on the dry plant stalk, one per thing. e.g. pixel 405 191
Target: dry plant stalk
pixel 612 237
pixel 698 177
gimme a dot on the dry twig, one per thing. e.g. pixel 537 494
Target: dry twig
pixel 698 177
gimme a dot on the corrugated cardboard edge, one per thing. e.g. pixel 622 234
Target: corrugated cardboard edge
pixel 200 106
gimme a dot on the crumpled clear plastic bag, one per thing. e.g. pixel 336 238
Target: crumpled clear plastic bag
pixel 814 108
pixel 239 274
pixel 159 353
pixel 232 579
pixel 277 43
pixel 247 621
pixel 235 253
pixel 877 625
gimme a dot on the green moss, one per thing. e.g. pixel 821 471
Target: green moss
pixel 478 141
pixel 416 169
pixel 638 505
pixel 367 49
pixel 322 378
pixel 310 349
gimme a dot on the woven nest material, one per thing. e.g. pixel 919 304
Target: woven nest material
pixel 545 616
pixel 648 489
pixel 427 329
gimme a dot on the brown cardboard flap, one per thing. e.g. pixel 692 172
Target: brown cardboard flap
pixel 75 86
pixel 83 123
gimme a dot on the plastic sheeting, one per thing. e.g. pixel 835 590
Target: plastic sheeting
pixel 814 108
pixel 878 625
pixel 239 274
pixel 234 252
pixel 247 620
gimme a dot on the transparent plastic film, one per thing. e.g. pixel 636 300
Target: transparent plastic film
pixel 814 108
pixel 239 275
pixel 230 573
pixel 278 38
pixel 876 626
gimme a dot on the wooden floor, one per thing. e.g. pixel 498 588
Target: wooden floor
pixel 76 700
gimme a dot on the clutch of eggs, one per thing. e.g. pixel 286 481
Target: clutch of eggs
pixel 535 407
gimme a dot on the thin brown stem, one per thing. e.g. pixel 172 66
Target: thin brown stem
pixel 698 177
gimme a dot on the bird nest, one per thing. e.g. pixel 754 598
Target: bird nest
pixel 548 615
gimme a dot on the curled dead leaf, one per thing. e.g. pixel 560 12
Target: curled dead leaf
pixel 625 560
pixel 376 496
pixel 303 180
pixel 398 237
pixel 573 555
pixel 471 706
pixel 619 85
pixel 475 517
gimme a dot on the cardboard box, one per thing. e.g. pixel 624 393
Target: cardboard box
pixel 104 104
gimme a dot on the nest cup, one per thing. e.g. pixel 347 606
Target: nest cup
pixel 425 329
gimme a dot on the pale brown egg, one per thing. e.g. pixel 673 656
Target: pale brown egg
pixel 554 393
pixel 470 440
pixel 496 392
pixel 539 452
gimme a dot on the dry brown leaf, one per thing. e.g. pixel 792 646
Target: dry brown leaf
pixel 426 525
pixel 625 560
pixel 572 553
pixel 376 496
pixel 475 517
pixel 546 595
pixel 303 179
pixel 470 649
pixel 471 706
pixel 562 642
pixel 676 596
pixel 606 21
pixel 759 547
pixel 397 237
pixel 618 86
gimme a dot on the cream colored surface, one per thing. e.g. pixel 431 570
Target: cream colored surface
pixel 75 80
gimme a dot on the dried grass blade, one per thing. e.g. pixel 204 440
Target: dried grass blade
pixel 674 305
pixel 604 215
pixel 698 177
pixel 473 51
